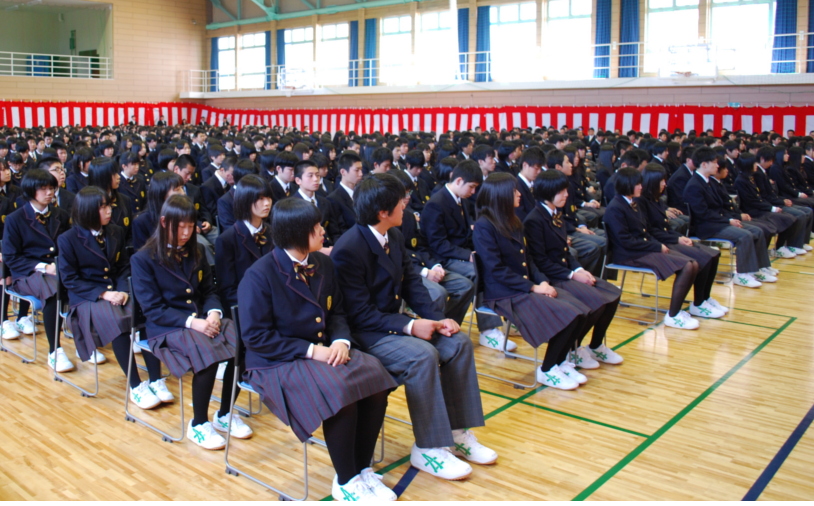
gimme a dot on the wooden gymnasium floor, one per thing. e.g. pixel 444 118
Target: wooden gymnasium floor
pixel 689 416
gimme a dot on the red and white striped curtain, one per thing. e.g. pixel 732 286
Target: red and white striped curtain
pixel 650 119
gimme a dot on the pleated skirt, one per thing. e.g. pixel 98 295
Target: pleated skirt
pixel 185 350
pixel 39 285
pixel 539 317
pixel 601 294
pixel 698 252
pixel 663 264
pixel 97 324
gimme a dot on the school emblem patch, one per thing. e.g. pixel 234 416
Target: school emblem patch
pixel 413 242
pixel 200 276
pixel 126 221
pixel 330 302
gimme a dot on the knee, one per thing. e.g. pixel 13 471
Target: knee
pixel 424 356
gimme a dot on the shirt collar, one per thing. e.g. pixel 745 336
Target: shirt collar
pixel 252 230
pixel 39 212
pixel 282 183
pixel 524 180
pixel 306 197
pixel 295 261
pixel 222 181
pixel 705 178
pixel 95 233
pixel 379 237
pixel 457 198
pixel 550 211
pixel 350 192
pixel 629 201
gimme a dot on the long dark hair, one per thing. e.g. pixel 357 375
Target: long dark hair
pixel 85 209
pixel 160 185
pixel 176 210
pixel 100 174
pixel 652 176
pixel 496 203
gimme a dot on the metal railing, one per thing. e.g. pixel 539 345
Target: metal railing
pixel 54 65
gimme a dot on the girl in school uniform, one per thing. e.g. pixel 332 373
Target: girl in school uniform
pixel 163 186
pixel 173 284
pixel 94 266
pixel 30 251
pixel 515 289
pixel 299 355
pixel 104 174
pixel 654 212
pixel 633 244
pixel 242 244
pixel 8 204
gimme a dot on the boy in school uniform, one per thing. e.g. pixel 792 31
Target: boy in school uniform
pixel 350 172
pixel 414 161
pixel 217 185
pixel 226 213
pixel 531 164
pixel 282 184
pixel 429 356
pixel 306 175
pixel 132 184
pixel 216 156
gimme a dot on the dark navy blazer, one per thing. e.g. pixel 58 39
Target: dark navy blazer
pixel 707 214
pixel 628 231
pixel 236 251
pixel 136 191
pixel 226 210
pixel 331 219
pixel 87 269
pixel 548 245
pixel 447 227
pixel 27 243
pixel 344 204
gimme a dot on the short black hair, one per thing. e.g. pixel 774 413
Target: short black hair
pixel 128 158
pixel 766 153
pixel 293 223
pixel 379 192
pixel 381 155
pixel 533 157
pixel 746 162
pixel 101 173
pixel 165 156
pixel 185 161
pixel 444 169
pixel 249 190
pixel 468 170
pixel 215 150
pixel 35 179
pixel 85 209
pixel 242 168
pixel 555 157
pixel 626 181
pixel 706 154
pixel 346 160
pixel 301 166
pixel 548 184
pixel 482 152
pixel 652 176
pixel 266 159
pixel 160 185
pixel 406 180
pixel 414 158
pixel 630 159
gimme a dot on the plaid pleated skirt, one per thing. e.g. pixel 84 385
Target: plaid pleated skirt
pixel 185 350
pixel 698 252
pixel 538 317
pixel 96 324
pixel 39 285
pixel 601 294
pixel 663 264
pixel 303 393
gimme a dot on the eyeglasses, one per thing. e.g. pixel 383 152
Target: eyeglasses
pixel 58 171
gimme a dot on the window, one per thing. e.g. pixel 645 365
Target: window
pixel 252 61
pixel 672 37
pixel 395 53
pixel 436 49
pixel 742 33
pixel 512 31
pixel 226 63
pixel 568 22
pixel 299 57
pixel 332 55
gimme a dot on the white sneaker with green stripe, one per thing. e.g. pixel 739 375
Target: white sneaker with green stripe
pixel 239 429
pixel 205 436
pixel 706 310
pixel 354 490
pixel 746 280
pixel 143 397
pixel 439 462
pixel 555 378
pixel 468 447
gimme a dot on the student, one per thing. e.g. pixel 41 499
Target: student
pixel 162 187
pixel 605 159
pixel 242 244
pixel 547 243
pixel 103 174
pixel 634 245
pixel 173 284
pixel 779 172
pixel 62 198
pixel 306 175
pixel 298 341
pixel 655 216
pixel 207 232
pixel 629 158
pixel 326 186
pixel 414 161
pixel 18 169
pixel 8 204
pixel 132 184
pixel 226 217
pixel 531 164
pixel 30 250
pixel 216 186
pixel 447 227
pixel 216 155
pixel 282 184
pixel 94 266
pixel 350 172
pixel 375 275
pixel 79 177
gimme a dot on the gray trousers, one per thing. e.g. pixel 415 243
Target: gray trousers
pixel 751 245
pixel 467 270
pixel 442 399
pixel 452 295
pixel 590 250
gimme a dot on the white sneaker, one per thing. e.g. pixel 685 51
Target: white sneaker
pixel 769 270
pixel 95 358
pixel 439 462
pixel 606 355
pixel 797 251
pixel 555 378
pixel 9 330
pixel 493 338
pixel 136 347
pixel 25 325
pixel 583 358
pixel 159 388
pixel 717 305
pixel 468 447
pixel 221 371
pixel 764 278
pixel 354 490
pixel 143 397
pixel 205 436
pixel 374 483
pixel 706 310
pixel 784 252
pixel 59 361
pixel 807 247
pixel 681 321
pixel 571 371
pixel 746 280
pixel 239 429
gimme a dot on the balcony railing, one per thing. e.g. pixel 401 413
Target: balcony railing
pixel 54 65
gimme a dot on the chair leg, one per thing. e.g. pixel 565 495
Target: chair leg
pixel 62 379
pixel 381 454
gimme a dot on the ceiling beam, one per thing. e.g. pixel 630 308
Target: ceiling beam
pixel 218 5
pixel 268 10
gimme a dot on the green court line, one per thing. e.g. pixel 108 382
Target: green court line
pixel 749 324
pixel 763 312
pixel 582 418
pixel 677 418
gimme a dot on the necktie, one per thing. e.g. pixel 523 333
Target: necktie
pixel 179 254
pixel 287 192
pixel 304 272
pixel 114 202
pixel 634 206
pixel 43 217
pixel 314 201
pixel 100 238
pixel 260 237
pixel 557 219
pixel 386 246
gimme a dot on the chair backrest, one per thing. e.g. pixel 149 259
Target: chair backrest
pixel 479 271
pixel 240 350
pixel 137 318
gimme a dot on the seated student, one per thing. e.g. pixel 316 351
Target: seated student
pixel 588 210
pixel 443 171
pixel 79 176
pixel 8 204
pixel 62 198
pixel 769 217
pixel 326 186
pixel 103 174
pixel 243 243
pixel 797 173
pixel 173 284
pixel 162 187
pixel 414 161
pixel 132 184
pixel 634 245
pixel 779 172
pixel 94 266
pixel 629 159
pixel 709 219
pixel 381 160
pixel 547 243
pixel 531 164
pixel 484 155
pixel 655 216
pixel 18 169
pixel 732 150
pixel 605 159
pixel 226 217
pixel 207 233
pixel 299 356
pixel 808 161
pixel 350 173
pixel 447 227
pixel 217 185
pixel 30 250
pixel 282 184
pixel 451 292
pixel 375 274
pixel 306 175
pixel 216 154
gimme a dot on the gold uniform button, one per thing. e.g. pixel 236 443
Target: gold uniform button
pixel 524 264
pixel 194 315
pixel 397 297
pixel 104 277
pixel 563 260
pixel 525 277
pixel 319 335
pixel 319 320
pixel 521 251
pixel 51 249
pixel 109 287
pixel 189 302
pixel 106 269
pixel 565 249
pixel 189 290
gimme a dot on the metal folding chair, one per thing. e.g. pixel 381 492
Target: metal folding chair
pixel 36 305
pixel 730 275
pixel 624 269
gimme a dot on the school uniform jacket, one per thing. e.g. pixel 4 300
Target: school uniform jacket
pixel 281 316
pixel 212 190
pixel 226 210
pixel 236 251
pixel 88 269
pixel 800 181
pixel 657 223
pixel 168 295
pixel 785 184
pixel 527 201
pixel 730 211
pixel 208 172
pixel 143 227
pixel 415 243
pixel 277 191
pixel 344 204
pixel 420 195
pixel 751 200
pixel 325 187
pixel 26 242
pixel 374 285
pixel 767 189
pixel 548 244
pixel 76 182
pixel 628 231
pixel 136 190
pixel 505 262
pixel 675 188
pixel 707 215
pixel 808 167
pixel 447 227
pixel 194 193
pixel 331 219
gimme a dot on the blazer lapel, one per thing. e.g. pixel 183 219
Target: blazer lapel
pixel 92 246
pixel 33 223
pixel 247 239
pixel 384 258
pixel 286 267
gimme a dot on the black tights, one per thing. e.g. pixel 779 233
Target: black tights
pixel 682 284
pixel 121 348
pixel 702 289
pixel 203 383
pixel 557 349
pixel 604 318
pixel 351 435
pixel 49 316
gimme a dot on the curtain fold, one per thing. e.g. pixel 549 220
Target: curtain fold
pixel 603 36
pixel 371 63
pixel 280 58
pixel 267 84
pixel 213 65
pixel 463 43
pixel 483 58
pixel 353 53
pixel 785 46
pixel 629 39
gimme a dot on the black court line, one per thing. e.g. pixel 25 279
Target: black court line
pixel 405 481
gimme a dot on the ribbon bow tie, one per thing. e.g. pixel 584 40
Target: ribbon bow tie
pixel 114 202
pixel 260 237
pixel 557 218
pixel 304 272
pixel 634 206
pixel 179 254
pixel 17 175
pixel 100 238
pixel 43 217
